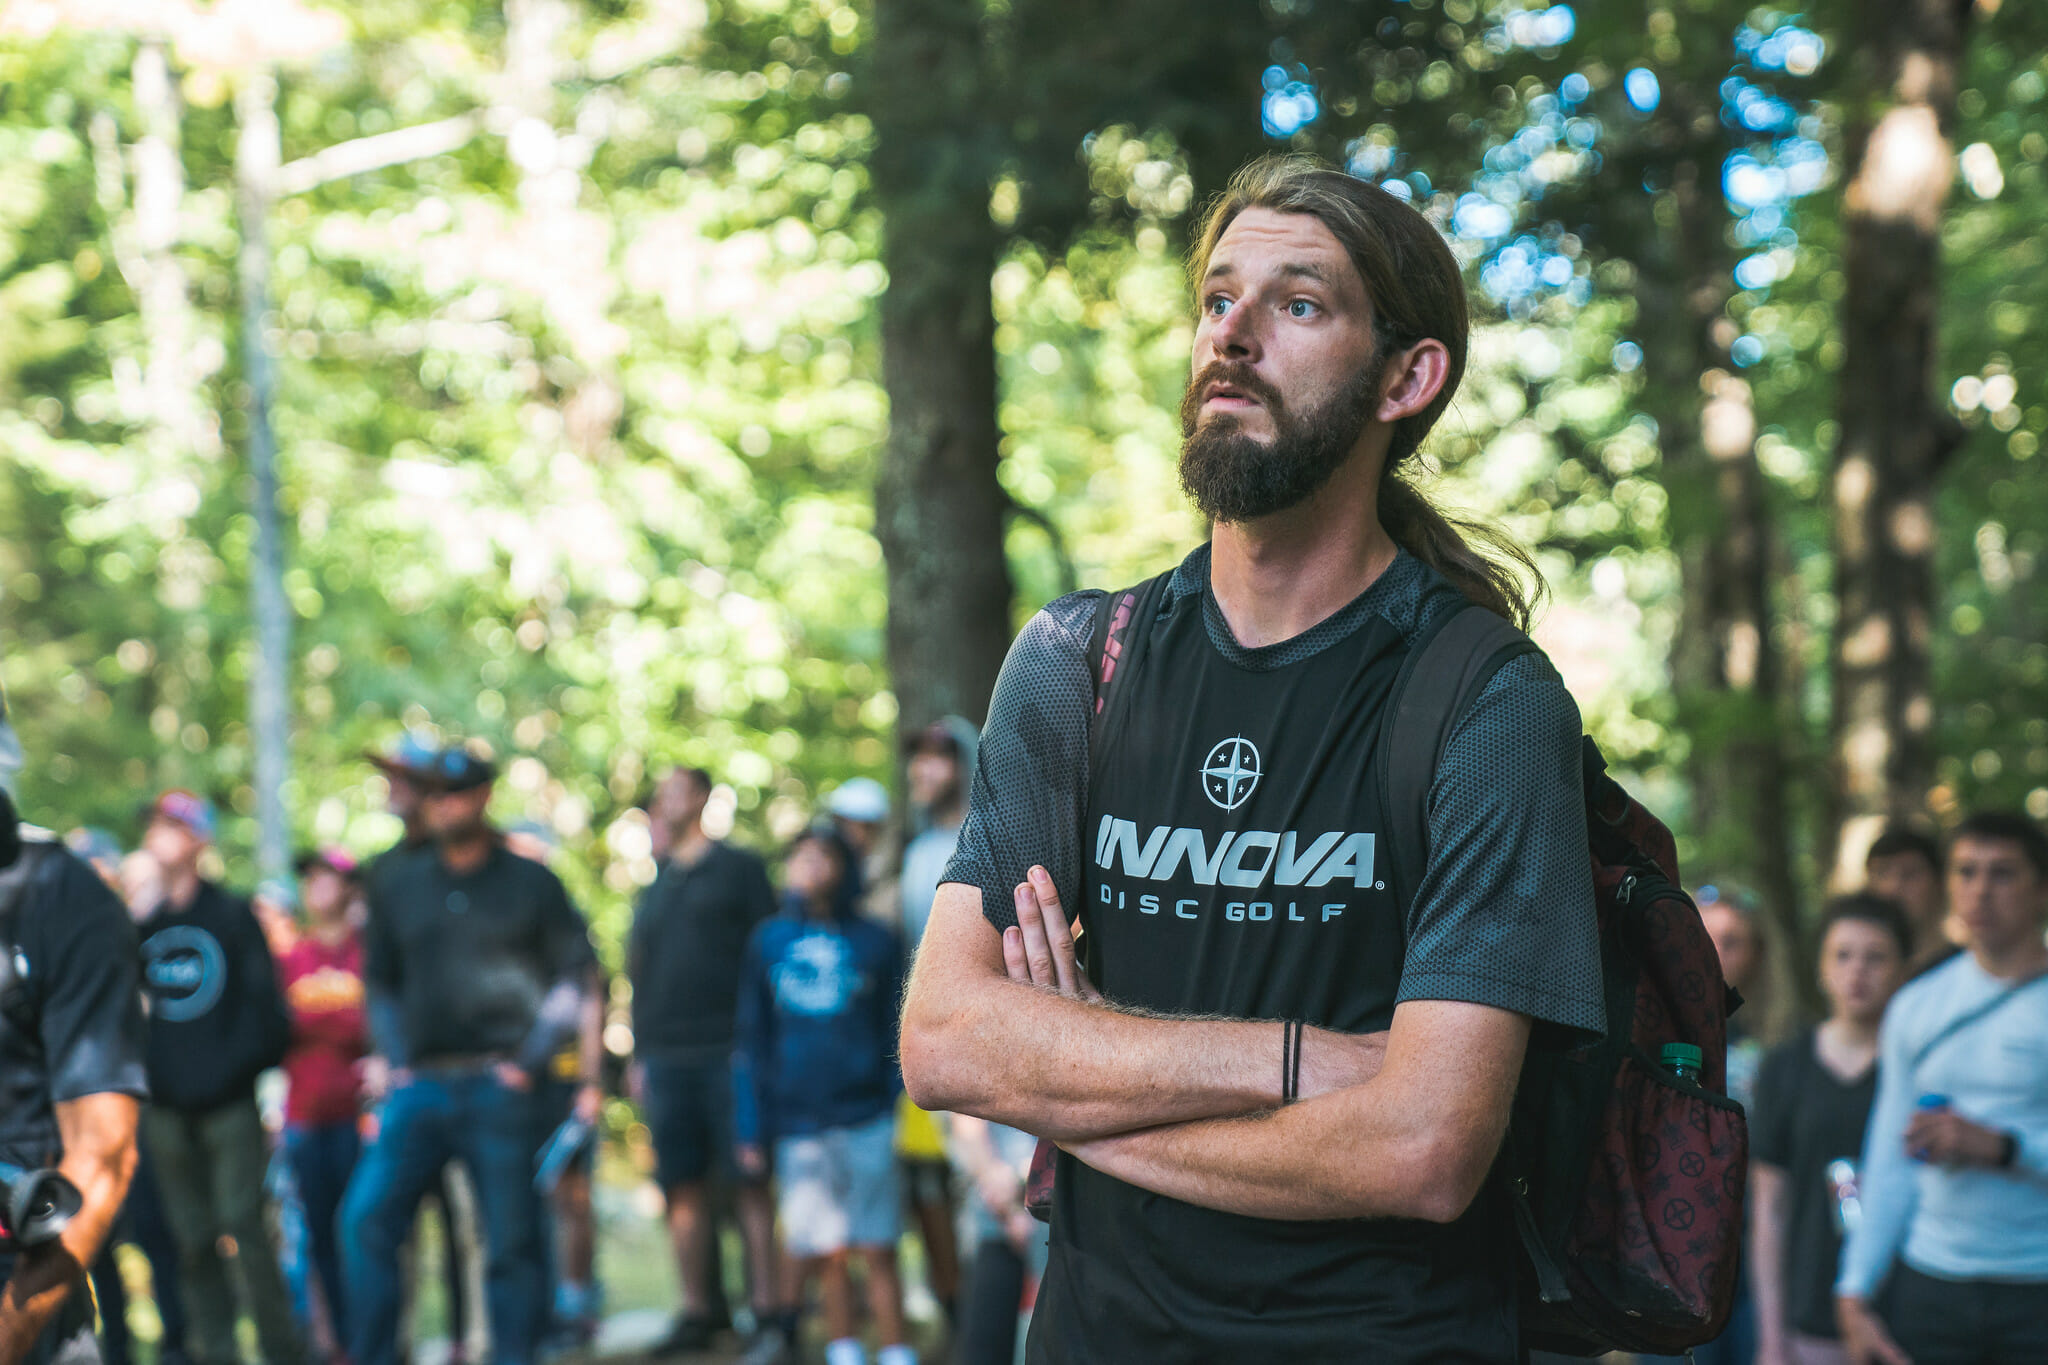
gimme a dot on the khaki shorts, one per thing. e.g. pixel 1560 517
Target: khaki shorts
pixel 838 1189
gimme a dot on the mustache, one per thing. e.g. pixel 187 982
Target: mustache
pixel 1238 376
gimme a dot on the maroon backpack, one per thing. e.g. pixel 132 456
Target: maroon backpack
pixel 1625 1181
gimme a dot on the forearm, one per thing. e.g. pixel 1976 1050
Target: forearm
pixel 1414 1141
pixel 1330 1157
pixel 554 1023
pixel 1767 1250
pixel 590 1038
pixel 99 1159
pixel 387 1028
pixel 1071 1070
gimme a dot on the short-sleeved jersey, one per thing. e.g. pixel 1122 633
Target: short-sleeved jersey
pixel 77 1029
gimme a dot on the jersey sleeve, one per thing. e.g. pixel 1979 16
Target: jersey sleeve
pixel 90 990
pixel 1030 784
pixel 1504 913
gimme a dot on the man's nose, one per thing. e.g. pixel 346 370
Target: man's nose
pixel 1235 335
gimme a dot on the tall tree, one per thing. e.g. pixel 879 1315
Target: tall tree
pixel 939 508
pixel 1895 435
pixel 1725 666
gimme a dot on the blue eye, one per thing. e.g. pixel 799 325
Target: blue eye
pixel 1218 305
pixel 1300 308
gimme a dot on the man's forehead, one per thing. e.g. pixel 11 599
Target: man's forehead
pixel 1986 848
pixel 1291 243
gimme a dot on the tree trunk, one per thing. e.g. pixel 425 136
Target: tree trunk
pixel 180 425
pixel 939 509
pixel 1727 675
pixel 270 726
pixel 1894 435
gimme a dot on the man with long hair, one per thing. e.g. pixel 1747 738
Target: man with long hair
pixel 1278 1114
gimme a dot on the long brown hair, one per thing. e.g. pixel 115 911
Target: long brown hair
pixel 1417 291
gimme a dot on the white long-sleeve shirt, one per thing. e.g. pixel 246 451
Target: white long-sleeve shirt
pixel 1956 1222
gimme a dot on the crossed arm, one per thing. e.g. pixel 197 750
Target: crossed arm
pixel 1401 1124
pixel 98 1133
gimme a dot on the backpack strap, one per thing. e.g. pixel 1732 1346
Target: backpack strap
pixel 1968 1018
pixel 1441 678
pixel 1119 634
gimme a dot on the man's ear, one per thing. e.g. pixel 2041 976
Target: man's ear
pixel 1413 379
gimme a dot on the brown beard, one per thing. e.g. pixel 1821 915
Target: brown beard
pixel 1230 476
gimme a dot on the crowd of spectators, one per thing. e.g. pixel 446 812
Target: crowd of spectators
pixel 419 1033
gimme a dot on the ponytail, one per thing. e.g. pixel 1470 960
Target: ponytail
pixel 1493 579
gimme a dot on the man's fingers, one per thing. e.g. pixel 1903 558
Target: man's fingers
pixel 1013 955
pixel 1037 948
pixel 1058 936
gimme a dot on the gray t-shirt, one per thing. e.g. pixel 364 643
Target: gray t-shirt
pixel 1503 915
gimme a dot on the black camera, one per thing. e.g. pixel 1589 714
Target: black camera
pixel 35 1206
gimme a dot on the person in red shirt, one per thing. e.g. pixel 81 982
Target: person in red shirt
pixel 322 977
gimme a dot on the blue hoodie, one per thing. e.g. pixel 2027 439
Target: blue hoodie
pixel 814 1043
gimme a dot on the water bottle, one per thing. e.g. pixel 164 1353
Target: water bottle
pixel 1848 1195
pixel 1931 1103
pixel 1684 1060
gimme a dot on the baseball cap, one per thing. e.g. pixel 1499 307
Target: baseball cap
pixel 412 755
pixel 189 809
pixel 862 799
pixel 458 770
pixel 330 857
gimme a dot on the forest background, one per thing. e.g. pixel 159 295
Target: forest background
pixel 631 382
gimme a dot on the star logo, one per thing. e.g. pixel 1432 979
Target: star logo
pixel 1230 772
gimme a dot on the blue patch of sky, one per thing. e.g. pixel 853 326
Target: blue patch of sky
pixel 1779 160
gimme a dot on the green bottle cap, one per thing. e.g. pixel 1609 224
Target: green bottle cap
pixel 1683 1055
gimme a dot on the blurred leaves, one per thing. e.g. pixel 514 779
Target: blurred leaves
pixel 579 421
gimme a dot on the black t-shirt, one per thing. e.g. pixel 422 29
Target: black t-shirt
pixel 1805 1117
pixel 689 934
pixel 216 1017
pixel 1231 863
pixel 78 1030
pixel 469 957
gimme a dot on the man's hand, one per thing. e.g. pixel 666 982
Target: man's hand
pixel 753 1161
pixel 512 1076
pixel 1039 948
pixel 1039 951
pixel 1946 1138
pixel 1864 1336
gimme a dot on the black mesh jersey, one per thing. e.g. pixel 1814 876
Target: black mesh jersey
pixel 1503 913
pixel 1245 877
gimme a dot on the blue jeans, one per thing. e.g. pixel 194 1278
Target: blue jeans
pixel 473 1117
pixel 322 1156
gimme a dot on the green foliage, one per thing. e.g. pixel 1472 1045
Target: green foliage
pixel 579 420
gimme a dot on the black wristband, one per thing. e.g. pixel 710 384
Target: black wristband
pixel 1294 1076
pixel 1290 1058
pixel 2009 1150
